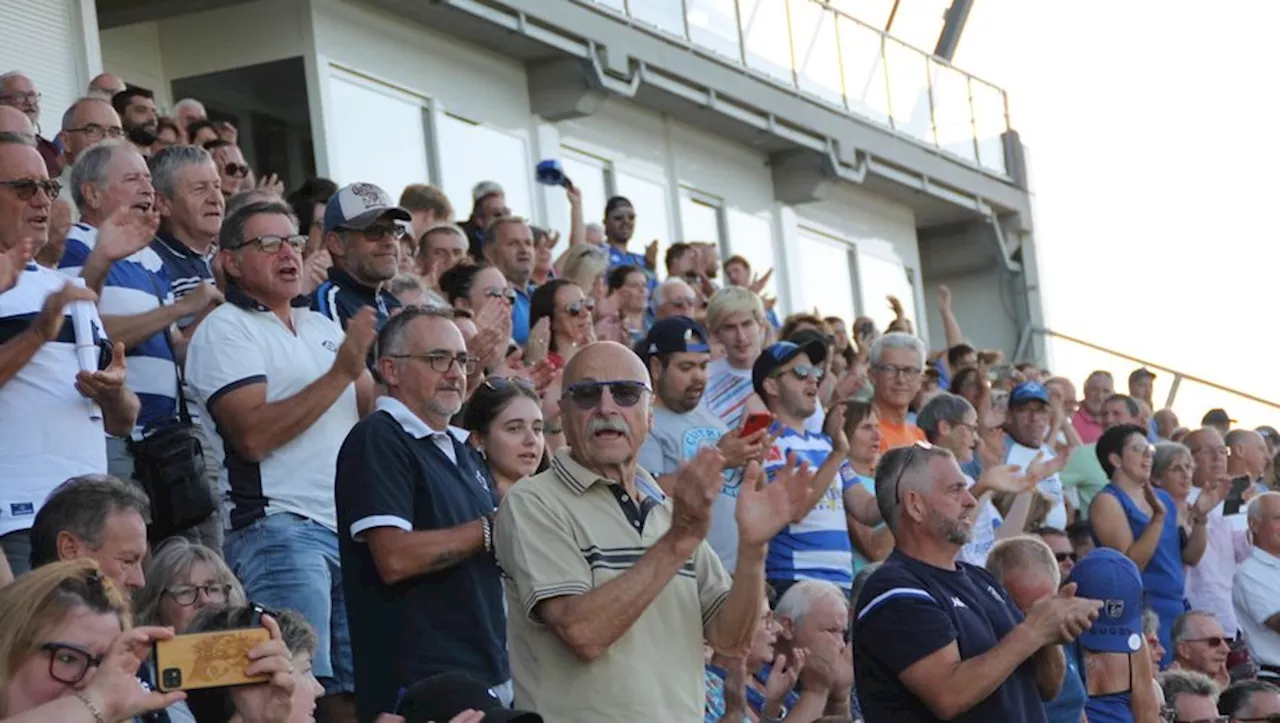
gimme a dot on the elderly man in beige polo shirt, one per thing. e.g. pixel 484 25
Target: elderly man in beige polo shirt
pixel 611 585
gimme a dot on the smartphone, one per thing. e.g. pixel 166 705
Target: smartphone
pixel 756 422
pixel 1235 497
pixel 207 660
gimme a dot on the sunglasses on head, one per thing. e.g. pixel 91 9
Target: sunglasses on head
pixel 25 188
pixel 578 308
pixel 587 395
pixel 236 170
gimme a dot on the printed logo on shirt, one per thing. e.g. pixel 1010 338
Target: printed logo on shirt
pixel 21 509
pixel 699 438
pixel 330 344
pixel 958 603
pixel 994 594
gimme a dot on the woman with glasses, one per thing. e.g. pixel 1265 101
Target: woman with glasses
pixel 504 416
pixel 67 651
pixel 1140 520
pixel 468 287
pixel 570 311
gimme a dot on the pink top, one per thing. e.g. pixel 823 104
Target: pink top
pixel 1209 583
pixel 1086 426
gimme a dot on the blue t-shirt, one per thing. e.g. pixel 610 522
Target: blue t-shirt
pixel 859 560
pixel 817 547
pixel 1069 704
pixel 520 315
pixel 909 610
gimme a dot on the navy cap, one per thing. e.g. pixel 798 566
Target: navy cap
pixel 675 334
pixel 1107 575
pixel 441 697
pixel 1029 391
pixel 359 204
pixel 776 356
pixel 1217 416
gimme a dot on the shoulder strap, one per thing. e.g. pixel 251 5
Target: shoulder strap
pixel 184 414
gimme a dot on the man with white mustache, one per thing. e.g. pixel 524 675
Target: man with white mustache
pixel 415 522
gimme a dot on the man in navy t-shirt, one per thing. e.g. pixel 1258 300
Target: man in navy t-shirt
pixel 935 639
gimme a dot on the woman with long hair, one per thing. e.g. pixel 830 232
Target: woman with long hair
pixel 505 418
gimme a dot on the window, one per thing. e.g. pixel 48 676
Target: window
pixel 813 37
pixel 827 272
pixel 700 220
pixel 663 14
pixel 764 33
pixel 471 153
pixel 879 277
pixel 751 237
pixel 653 220
pixel 713 24
pixel 365 114
pixel 591 176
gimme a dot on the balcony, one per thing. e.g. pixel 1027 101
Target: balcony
pixel 830 56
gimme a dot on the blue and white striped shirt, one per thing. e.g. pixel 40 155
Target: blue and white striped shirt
pixel 134 286
pixel 727 392
pixel 818 547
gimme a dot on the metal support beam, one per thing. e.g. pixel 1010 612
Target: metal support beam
pixel 952 29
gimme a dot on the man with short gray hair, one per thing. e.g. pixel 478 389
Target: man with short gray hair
pixel 814 616
pixel 1200 644
pixel 1253 594
pixel 1190 695
pixel 921 609
pixel 186 112
pixel 98 517
pixel 897 364
pixel 674 297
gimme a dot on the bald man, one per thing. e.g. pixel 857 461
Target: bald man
pixel 15 121
pixel 609 576
pixel 1209 581
pixel 18 91
pixel 1248 457
pixel 1256 604
pixel 105 85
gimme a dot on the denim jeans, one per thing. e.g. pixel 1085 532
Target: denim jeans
pixel 289 562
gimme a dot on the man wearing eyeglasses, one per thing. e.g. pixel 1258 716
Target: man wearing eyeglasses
pixel 18 91
pixel 611 584
pixel 281 387
pixel 1201 645
pixel 55 414
pixel 88 121
pixel 362 232
pixel 1209 582
pixel 897 367
pixel 675 298
pixel 415 519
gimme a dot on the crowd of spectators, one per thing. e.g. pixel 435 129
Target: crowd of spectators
pixel 460 471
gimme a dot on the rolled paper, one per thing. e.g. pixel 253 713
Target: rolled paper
pixel 87 333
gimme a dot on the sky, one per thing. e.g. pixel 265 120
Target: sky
pixel 1151 134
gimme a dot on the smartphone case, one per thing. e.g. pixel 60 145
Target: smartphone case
pixel 206 660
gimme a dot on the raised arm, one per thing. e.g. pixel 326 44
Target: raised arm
pixel 950 326
pixel 577 221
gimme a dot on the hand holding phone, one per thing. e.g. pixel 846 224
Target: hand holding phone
pixel 755 422
pixel 214 659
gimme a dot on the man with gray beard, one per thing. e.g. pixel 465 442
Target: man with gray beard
pixel 935 639
pixel 415 522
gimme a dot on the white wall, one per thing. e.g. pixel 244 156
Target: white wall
pixel 54 43
pixel 133 53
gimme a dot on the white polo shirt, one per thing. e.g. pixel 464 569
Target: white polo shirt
pixel 48 433
pixel 242 343
pixel 1255 593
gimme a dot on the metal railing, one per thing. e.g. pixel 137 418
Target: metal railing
pixel 1193 395
pixel 828 54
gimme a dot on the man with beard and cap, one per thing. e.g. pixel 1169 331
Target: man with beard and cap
pixel 137 109
pixel 415 523
pixel 936 639
pixel 17 91
pixel 676 352
pixel 362 233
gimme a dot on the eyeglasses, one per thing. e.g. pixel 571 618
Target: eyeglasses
pixel 69 663
pixel 894 370
pixel 28 97
pixel 93 131
pixel 907 461
pixel 804 372
pixel 271 244
pixel 505 292
pixel 442 361
pixel 498 384
pixel 587 395
pixel 1213 641
pixel 1142 449
pixel 1214 451
pixel 186 595
pixel 1063 556
pixel 578 308
pixel 236 170
pixel 379 231
pixel 1273 718
pixel 25 188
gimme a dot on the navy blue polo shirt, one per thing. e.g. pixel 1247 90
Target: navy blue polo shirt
pixel 909 610
pixel 393 472
pixel 185 267
pixel 340 297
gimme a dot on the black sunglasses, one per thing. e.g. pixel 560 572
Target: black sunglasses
pixel 379 231
pixel 587 395
pixel 25 188
pixel 1060 556
pixel 236 170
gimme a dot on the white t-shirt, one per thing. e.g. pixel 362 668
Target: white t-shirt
pixel 984 533
pixel 234 347
pixel 49 435
pixel 1051 486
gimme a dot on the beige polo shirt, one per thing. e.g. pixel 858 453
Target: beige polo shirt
pixel 566 532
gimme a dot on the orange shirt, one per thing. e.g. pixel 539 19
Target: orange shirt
pixel 898 435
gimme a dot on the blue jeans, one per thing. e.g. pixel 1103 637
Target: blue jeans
pixel 288 562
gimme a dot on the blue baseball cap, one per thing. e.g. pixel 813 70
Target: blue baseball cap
pixel 775 356
pixel 1107 575
pixel 1028 392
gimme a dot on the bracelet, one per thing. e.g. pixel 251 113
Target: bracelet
pixel 486 527
pixel 93 707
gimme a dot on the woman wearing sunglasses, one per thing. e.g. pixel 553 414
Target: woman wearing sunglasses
pixel 504 416
pixel 468 287
pixel 67 652
pixel 570 311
